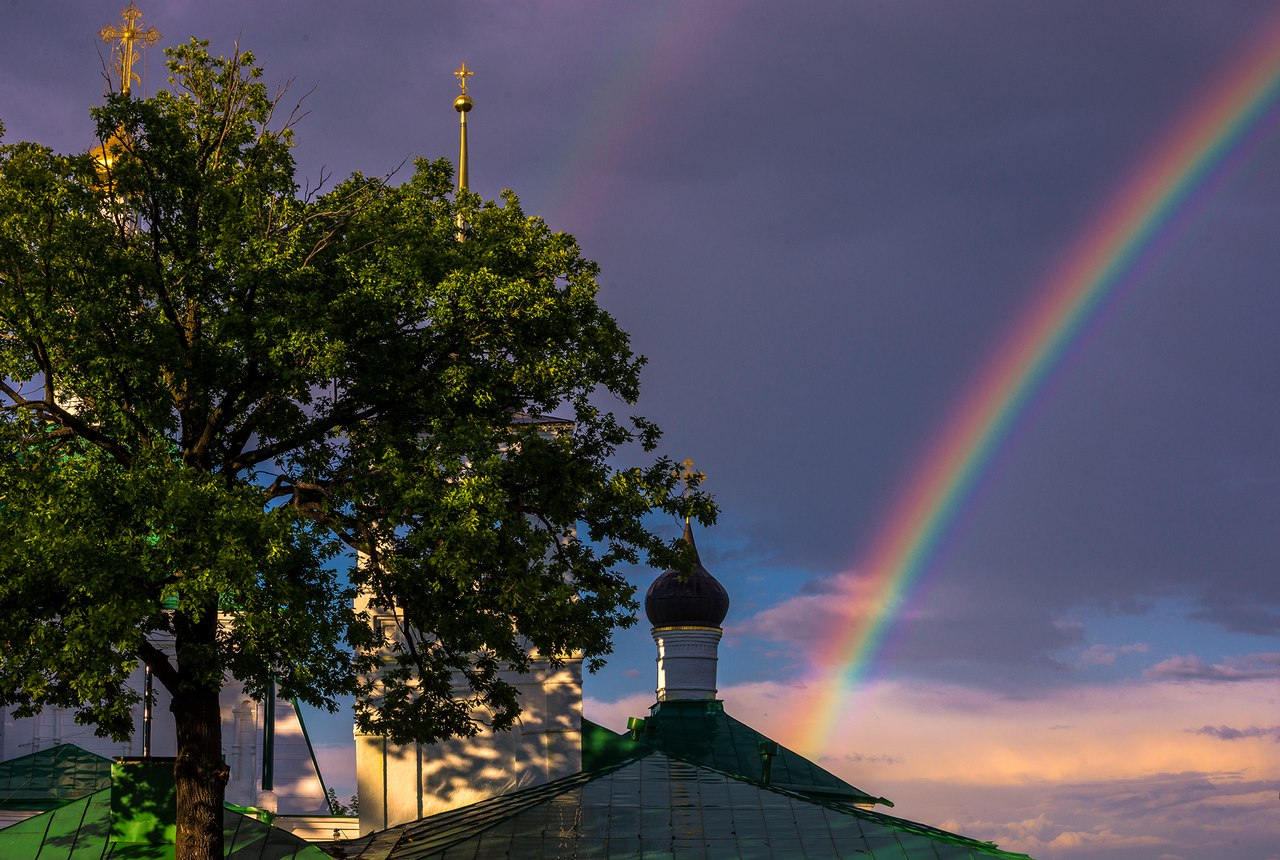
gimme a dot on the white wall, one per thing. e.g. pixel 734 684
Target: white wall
pixel 397 784
pixel 296 783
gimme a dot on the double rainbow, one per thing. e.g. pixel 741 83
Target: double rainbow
pixel 1199 148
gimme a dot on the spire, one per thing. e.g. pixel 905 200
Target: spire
pixel 126 54
pixel 462 104
pixel 688 540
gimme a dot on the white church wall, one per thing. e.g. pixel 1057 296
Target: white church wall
pixel 53 726
pixel 400 783
pixel 297 785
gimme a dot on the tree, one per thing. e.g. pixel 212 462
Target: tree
pixel 211 387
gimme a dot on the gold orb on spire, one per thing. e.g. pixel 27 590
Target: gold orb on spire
pixel 462 103
pixel 130 38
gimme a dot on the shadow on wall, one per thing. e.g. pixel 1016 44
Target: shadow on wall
pixel 398 784
pixel 297 785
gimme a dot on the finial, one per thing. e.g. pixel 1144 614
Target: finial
pixel 134 30
pixel 462 74
pixel 691 478
pixel 462 104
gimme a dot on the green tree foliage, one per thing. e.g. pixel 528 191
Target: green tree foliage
pixel 211 387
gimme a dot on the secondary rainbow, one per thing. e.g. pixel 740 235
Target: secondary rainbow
pixel 1128 231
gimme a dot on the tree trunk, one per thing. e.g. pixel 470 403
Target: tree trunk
pixel 199 775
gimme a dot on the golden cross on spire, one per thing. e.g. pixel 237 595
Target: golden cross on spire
pixel 134 30
pixel 462 74
pixel 691 477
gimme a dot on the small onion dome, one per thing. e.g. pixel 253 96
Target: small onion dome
pixel 679 599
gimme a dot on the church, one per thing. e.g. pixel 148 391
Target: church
pixel 686 780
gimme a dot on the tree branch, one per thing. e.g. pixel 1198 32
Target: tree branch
pixel 158 662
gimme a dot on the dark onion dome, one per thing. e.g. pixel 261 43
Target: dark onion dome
pixel 679 599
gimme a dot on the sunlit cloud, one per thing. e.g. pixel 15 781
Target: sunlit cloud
pixel 1172 816
pixel 821 605
pixel 1191 668
pixel 1091 771
pixel 1105 655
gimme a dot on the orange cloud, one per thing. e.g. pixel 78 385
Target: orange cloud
pixel 1123 771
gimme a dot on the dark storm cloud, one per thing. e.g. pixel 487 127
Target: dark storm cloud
pixel 954 633
pixel 947 189
pixel 817 221
pixel 1238 613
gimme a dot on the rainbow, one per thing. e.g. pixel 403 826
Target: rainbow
pixel 651 67
pixel 1185 166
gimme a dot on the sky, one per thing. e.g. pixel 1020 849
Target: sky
pixel 823 223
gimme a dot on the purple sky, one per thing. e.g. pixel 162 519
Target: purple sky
pixel 816 219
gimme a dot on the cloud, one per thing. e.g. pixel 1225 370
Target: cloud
pixel 859 758
pixel 1105 655
pixel 1239 615
pixel 1073 626
pixel 949 630
pixel 822 604
pixel 1161 817
pixel 1188 667
pixel 1089 772
pixel 969 736
pixel 1226 733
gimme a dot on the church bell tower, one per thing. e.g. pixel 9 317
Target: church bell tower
pixel 397 783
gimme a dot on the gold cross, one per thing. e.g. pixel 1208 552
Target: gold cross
pixel 462 74
pixel 134 30
pixel 689 475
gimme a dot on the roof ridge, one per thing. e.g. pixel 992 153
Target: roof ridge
pixel 734 724
pixel 436 835
pixel 446 825
pixel 83 824
pixel 890 821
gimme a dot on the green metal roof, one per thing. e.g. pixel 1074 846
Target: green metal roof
pixel 603 747
pixel 81 830
pixel 701 732
pixel 658 806
pixel 52 777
